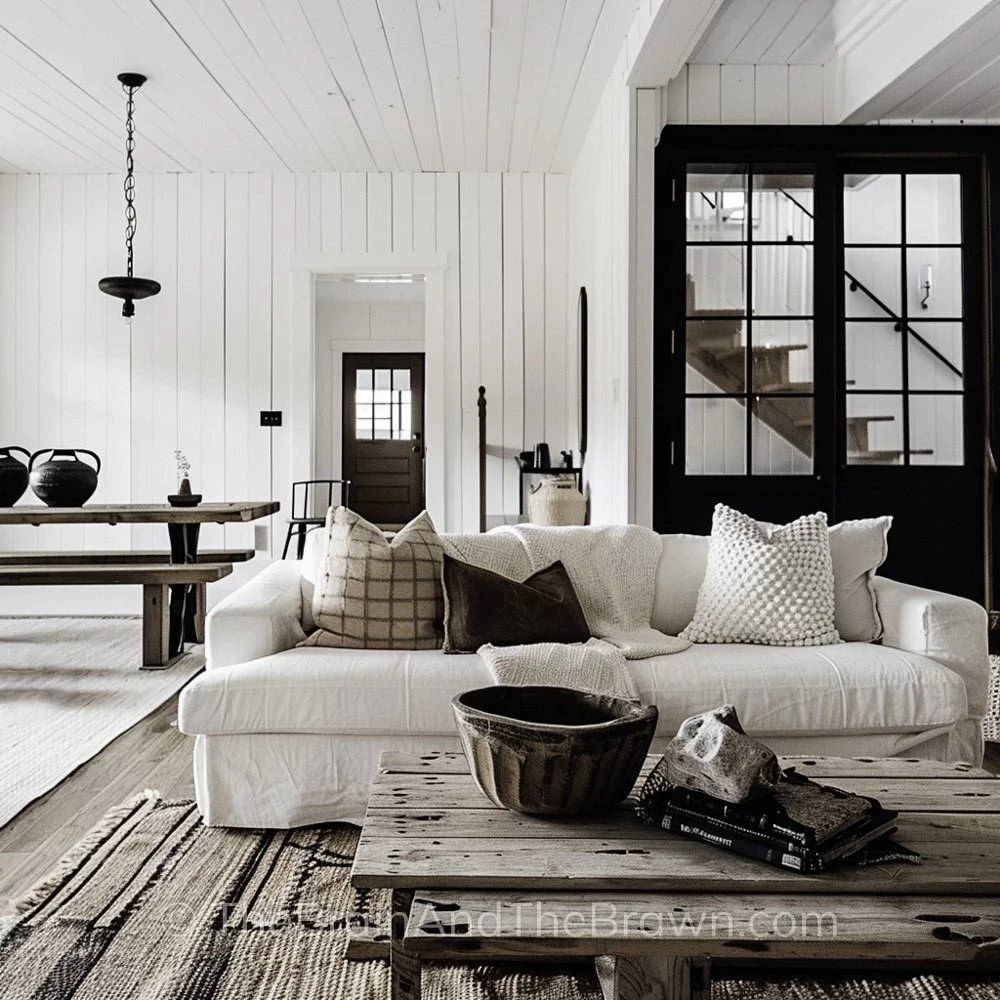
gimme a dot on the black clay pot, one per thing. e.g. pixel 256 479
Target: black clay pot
pixel 13 476
pixel 64 480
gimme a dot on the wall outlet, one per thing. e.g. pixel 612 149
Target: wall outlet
pixel 270 418
pixel 261 538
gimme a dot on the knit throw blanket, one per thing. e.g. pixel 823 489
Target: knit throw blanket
pixel 612 567
pixel 594 665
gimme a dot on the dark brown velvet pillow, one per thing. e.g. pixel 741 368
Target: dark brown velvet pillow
pixel 481 606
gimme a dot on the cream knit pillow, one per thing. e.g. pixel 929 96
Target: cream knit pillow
pixel 370 594
pixel 767 584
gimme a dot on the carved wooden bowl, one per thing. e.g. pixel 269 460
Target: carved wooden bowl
pixel 553 751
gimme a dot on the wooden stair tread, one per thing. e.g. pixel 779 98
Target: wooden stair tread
pixel 808 421
pixel 780 387
pixel 736 352
pixel 123 557
pixel 163 573
pixel 888 453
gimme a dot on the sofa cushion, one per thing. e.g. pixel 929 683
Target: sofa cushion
pixel 376 594
pixel 857 549
pixel 808 691
pixel 482 607
pixel 765 583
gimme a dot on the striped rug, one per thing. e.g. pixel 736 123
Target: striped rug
pixel 152 905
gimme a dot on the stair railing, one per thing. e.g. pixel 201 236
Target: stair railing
pixel 857 286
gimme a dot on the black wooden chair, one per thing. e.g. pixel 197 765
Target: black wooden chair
pixel 308 509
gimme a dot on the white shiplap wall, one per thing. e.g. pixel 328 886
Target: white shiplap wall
pixel 210 351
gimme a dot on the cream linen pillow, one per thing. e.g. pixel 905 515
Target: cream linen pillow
pixel 767 584
pixel 370 594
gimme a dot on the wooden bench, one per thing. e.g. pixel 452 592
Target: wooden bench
pixel 154 578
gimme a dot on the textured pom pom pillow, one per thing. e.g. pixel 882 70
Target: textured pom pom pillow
pixel 767 584
pixel 370 594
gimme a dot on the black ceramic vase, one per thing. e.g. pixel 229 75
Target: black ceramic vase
pixel 13 476
pixel 64 480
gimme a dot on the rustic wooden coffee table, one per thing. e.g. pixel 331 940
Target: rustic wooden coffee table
pixel 472 882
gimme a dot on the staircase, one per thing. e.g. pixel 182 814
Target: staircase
pixel 714 351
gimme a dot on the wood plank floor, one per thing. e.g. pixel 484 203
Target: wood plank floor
pixel 152 754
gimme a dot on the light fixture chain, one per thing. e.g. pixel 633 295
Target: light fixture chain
pixel 130 218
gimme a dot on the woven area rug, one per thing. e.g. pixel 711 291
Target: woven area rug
pixel 153 905
pixel 68 687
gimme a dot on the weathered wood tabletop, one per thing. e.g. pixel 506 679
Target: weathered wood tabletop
pixel 474 882
pixel 139 513
pixel 428 826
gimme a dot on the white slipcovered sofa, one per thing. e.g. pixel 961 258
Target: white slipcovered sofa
pixel 290 736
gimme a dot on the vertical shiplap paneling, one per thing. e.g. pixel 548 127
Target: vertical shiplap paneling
pixel 771 95
pixel 165 332
pixel 449 241
pixel 8 324
pixel 117 473
pixel 402 213
pixel 354 221
pixel 189 328
pixel 469 185
pixel 513 343
pixel 282 246
pixel 237 452
pixel 330 212
pixel 211 477
pixel 533 269
pixel 72 324
pixel 704 94
pixel 27 262
pixel 50 373
pixel 805 95
pixel 144 377
pixel 676 104
pixel 556 340
pixel 425 226
pixel 491 342
pixel 738 98
pixel 259 260
pixel 96 366
pixel 379 205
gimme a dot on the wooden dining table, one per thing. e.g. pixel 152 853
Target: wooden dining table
pixel 183 524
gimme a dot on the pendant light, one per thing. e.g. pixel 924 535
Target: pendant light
pixel 126 286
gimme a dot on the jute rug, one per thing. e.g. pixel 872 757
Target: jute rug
pixel 154 906
pixel 68 687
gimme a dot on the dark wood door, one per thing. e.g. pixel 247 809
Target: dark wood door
pixel 383 447
pixel 820 344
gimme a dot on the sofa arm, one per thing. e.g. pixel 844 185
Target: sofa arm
pixel 262 617
pixel 951 630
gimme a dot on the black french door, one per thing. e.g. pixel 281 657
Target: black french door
pixel 820 338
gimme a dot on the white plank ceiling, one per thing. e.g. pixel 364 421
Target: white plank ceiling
pixel 383 85
pixel 794 32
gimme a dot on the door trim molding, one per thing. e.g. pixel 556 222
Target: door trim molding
pixel 303 268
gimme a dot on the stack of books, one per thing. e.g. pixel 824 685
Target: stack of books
pixel 800 825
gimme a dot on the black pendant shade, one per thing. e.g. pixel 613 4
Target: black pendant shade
pixel 126 286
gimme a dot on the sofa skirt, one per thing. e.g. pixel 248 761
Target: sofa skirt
pixel 286 780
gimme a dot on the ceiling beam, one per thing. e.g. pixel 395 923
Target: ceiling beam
pixel 675 29
pixel 877 50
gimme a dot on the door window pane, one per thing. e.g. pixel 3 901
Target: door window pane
pixel 716 437
pixel 783 207
pixel 782 356
pixel 782 436
pixel 874 356
pixel 401 378
pixel 872 208
pixel 933 208
pixel 782 280
pixel 383 378
pixel 716 203
pixel 871 282
pixel 927 370
pixel 716 355
pixel 936 433
pixel 717 280
pixel 364 380
pixel 874 430
pixel 941 268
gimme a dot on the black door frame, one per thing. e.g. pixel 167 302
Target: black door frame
pixel 827 147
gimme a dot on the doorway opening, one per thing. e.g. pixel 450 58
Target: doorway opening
pixel 369 391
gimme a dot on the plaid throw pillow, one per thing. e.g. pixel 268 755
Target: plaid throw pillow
pixel 371 594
